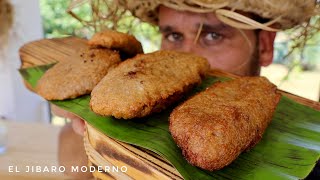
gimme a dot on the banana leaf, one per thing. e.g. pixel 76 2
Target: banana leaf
pixel 289 148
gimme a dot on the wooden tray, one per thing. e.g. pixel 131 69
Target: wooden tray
pixel 142 162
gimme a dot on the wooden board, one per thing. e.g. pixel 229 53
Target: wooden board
pixel 153 166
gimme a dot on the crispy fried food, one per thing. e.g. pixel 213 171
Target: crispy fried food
pixel 215 126
pixel 116 40
pixel 76 77
pixel 147 83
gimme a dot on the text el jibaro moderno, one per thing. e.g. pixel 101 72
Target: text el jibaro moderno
pixel 62 169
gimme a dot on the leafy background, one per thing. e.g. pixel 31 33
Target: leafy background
pixel 57 23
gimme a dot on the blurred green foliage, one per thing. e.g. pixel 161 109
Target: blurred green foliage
pixel 58 23
pixel 307 58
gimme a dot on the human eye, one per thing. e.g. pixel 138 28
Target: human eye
pixel 174 37
pixel 211 38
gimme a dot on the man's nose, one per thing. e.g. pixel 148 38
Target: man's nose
pixel 189 46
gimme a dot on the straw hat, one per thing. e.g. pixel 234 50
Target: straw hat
pixel 282 14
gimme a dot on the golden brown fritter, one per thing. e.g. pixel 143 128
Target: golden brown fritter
pixel 116 40
pixel 76 77
pixel 215 126
pixel 147 83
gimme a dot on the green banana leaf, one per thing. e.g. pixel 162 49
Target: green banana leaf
pixel 289 149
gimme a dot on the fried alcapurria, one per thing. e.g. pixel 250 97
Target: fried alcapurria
pixel 215 126
pixel 77 76
pixel 147 83
pixel 122 42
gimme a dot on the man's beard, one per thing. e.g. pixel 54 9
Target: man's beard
pixel 250 67
pixel 254 67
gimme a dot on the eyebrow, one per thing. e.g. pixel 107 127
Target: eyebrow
pixel 215 28
pixel 166 29
pixel 205 28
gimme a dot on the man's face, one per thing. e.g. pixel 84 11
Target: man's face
pixel 225 47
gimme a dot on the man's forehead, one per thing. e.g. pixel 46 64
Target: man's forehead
pixel 167 11
pixel 170 19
